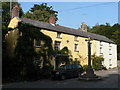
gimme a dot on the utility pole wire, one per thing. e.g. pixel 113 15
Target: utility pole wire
pixel 86 7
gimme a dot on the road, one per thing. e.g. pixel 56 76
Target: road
pixel 110 80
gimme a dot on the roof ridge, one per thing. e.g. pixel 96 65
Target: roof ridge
pixel 55 25
pixel 35 20
pixel 65 27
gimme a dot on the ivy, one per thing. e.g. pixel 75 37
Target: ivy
pixel 26 52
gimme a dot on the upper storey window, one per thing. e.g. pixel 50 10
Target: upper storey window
pixel 76 38
pixel 59 35
pixel 101 44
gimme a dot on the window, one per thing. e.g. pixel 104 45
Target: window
pixel 110 62
pixel 101 43
pixel 76 48
pixel 110 52
pixel 110 45
pixel 76 38
pixel 37 61
pixel 37 43
pixel 57 45
pixel 58 35
pixel 101 50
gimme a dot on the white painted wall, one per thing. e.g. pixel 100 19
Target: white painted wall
pixel 110 56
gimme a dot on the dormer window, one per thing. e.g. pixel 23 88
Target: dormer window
pixel 59 35
pixel 76 38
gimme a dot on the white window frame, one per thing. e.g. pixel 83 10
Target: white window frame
pixel 37 61
pixel 101 50
pixel 110 51
pixel 101 44
pixel 110 45
pixel 110 62
pixel 76 47
pixel 57 45
pixel 76 38
pixel 59 35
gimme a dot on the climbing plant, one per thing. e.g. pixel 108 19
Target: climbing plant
pixel 65 50
pixel 25 50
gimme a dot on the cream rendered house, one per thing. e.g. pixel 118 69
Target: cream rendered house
pixel 75 41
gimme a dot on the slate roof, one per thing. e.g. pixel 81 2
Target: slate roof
pixel 62 29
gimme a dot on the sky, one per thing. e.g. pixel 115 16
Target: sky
pixel 72 14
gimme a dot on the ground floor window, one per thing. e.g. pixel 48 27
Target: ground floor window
pixel 37 43
pixel 76 47
pixel 38 61
pixel 57 45
pixel 110 62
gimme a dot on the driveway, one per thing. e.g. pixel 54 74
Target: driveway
pixel 110 80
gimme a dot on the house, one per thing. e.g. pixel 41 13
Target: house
pixel 74 39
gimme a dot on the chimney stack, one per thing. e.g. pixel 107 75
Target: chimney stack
pixel 52 20
pixel 83 27
pixel 15 11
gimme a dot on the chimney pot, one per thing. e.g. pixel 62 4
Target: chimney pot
pixel 52 20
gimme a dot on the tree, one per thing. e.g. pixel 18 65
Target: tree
pixel 116 37
pixel 41 12
pixel 102 30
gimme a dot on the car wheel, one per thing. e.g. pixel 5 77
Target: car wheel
pixel 62 77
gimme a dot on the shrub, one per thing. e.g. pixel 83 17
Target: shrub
pixel 97 62
pixel 85 67
pixel 76 62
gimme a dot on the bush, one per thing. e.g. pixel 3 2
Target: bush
pixel 76 62
pixel 85 67
pixel 97 62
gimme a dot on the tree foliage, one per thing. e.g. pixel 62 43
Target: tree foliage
pixel 41 12
pixel 102 30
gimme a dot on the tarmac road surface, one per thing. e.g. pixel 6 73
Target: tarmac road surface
pixel 110 80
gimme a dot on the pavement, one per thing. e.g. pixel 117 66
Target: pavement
pixel 110 80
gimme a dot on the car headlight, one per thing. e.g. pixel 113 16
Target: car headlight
pixel 57 72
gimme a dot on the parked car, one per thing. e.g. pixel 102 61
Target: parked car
pixel 67 71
